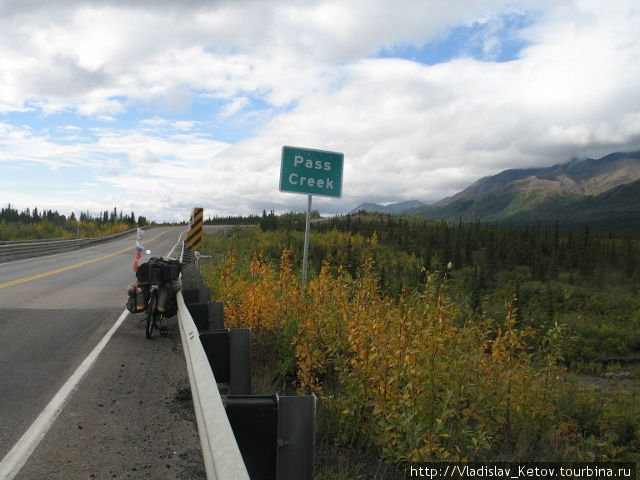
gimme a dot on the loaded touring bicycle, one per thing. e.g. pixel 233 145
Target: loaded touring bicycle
pixel 154 292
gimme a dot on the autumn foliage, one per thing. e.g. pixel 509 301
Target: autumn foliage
pixel 412 377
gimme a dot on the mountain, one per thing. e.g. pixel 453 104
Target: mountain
pixel 391 209
pixel 615 209
pixel 580 177
pixel 603 192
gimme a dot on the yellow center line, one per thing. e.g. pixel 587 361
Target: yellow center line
pixel 69 267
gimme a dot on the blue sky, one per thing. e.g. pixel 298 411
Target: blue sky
pixel 163 107
pixel 495 40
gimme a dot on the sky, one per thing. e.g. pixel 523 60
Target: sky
pixel 157 107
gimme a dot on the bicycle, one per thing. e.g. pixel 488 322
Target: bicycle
pixel 152 276
pixel 154 317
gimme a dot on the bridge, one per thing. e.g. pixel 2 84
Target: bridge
pixel 83 393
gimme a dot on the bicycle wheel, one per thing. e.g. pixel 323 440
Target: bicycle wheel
pixel 151 313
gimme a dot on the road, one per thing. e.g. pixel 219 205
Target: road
pixel 53 312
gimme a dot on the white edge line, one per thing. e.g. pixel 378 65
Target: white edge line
pixel 18 455
pixel 22 450
pixel 177 243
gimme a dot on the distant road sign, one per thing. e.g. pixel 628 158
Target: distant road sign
pixel 194 238
pixel 312 172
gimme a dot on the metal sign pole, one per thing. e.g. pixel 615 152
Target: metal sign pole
pixel 312 172
pixel 305 257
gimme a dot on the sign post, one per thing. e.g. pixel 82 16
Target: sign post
pixel 305 256
pixel 310 172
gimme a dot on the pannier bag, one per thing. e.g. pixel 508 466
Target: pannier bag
pixel 172 307
pixel 158 270
pixel 137 298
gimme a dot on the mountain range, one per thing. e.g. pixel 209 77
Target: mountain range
pixel 392 209
pixel 604 193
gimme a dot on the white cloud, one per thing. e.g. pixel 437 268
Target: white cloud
pixel 233 107
pixel 306 73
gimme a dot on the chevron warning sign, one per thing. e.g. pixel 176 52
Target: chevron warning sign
pixel 194 239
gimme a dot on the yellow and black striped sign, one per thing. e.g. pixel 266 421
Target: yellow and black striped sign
pixel 194 239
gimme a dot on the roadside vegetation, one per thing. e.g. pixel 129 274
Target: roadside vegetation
pixel 434 341
pixel 34 225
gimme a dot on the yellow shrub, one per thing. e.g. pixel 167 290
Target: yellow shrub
pixel 405 374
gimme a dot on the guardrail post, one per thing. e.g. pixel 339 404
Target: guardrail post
pixel 196 295
pixel 191 278
pixel 296 437
pixel 240 361
pixel 207 316
pixel 229 355
pixel 276 435
pixel 254 421
pixel 216 346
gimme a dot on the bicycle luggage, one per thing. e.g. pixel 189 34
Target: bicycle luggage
pixel 158 270
pixel 149 273
pixel 172 307
pixel 170 270
pixel 137 298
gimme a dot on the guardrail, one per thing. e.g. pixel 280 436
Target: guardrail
pixel 36 248
pixel 220 451
pixel 262 437
pixel 222 457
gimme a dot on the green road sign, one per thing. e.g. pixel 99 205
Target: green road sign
pixel 312 172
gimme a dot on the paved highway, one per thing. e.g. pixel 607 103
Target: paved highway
pixel 53 312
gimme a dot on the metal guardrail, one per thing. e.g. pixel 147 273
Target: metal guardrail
pixel 37 248
pixel 262 437
pixel 220 451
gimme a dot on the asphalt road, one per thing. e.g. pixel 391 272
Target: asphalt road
pixel 53 312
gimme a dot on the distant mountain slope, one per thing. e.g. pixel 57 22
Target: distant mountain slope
pixel 603 191
pixel 582 177
pixel 392 209
pixel 615 209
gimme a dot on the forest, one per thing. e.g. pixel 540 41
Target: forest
pixel 34 224
pixel 427 340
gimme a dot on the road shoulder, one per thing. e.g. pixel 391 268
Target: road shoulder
pixel 131 417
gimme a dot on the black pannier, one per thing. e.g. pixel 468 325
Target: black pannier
pixel 149 274
pixel 137 298
pixel 171 308
pixel 158 270
pixel 170 270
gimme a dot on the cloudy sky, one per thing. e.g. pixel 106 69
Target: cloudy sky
pixel 169 104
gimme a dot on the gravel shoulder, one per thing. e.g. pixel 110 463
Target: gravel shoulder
pixel 131 417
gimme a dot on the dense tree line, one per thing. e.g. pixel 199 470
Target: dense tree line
pixel 12 215
pixel 28 223
pixel 233 220
pixel 287 221
pixel 546 273
pixel 268 221
pixel 585 279
pixel 546 252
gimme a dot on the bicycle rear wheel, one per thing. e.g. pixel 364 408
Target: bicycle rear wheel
pixel 151 313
